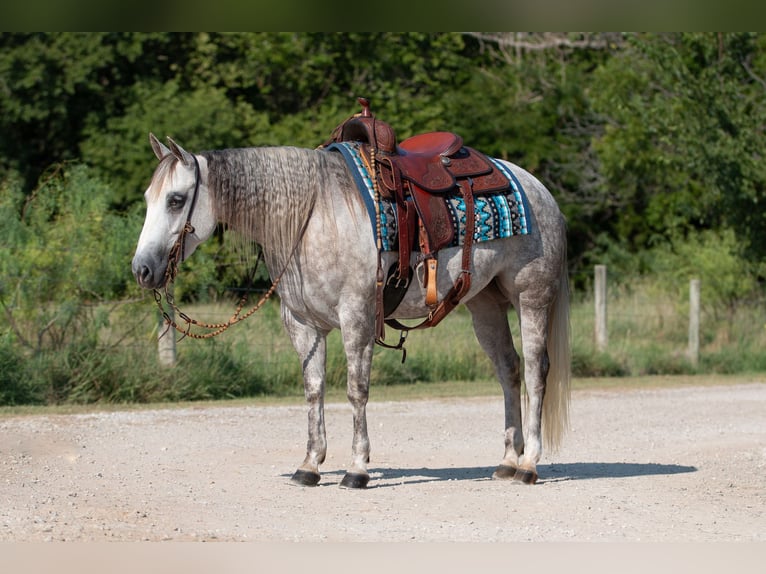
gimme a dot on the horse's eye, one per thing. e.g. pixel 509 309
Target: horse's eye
pixel 176 201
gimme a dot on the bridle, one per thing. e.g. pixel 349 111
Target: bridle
pixel 176 255
pixel 177 252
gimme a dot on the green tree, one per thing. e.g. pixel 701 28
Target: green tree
pixel 682 147
pixel 56 84
pixel 528 102
pixel 202 118
pixel 95 97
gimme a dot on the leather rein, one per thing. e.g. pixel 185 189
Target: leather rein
pixel 176 255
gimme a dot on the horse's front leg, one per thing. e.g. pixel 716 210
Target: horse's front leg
pixel 358 343
pixel 311 346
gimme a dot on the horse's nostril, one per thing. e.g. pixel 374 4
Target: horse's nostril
pixel 144 274
pixel 146 271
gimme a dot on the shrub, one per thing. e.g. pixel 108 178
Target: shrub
pixel 16 388
pixel 597 364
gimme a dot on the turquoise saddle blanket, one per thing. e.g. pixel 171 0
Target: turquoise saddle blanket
pixel 497 215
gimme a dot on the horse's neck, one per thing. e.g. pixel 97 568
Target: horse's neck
pixel 263 193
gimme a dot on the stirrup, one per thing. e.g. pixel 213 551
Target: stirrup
pixel 399 346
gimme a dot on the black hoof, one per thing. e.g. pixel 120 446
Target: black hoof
pixel 355 480
pixel 504 472
pixel 305 478
pixel 525 476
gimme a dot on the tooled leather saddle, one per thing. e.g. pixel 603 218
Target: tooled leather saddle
pixel 419 174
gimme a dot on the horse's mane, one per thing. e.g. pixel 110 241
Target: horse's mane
pixel 266 193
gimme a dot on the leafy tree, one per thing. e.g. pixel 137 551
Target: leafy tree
pixel 683 138
pixel 641 137
pixel 96 96
pixel 54 84
pixel 203 118
pixel 529 103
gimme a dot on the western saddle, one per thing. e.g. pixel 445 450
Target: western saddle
pixel 419 175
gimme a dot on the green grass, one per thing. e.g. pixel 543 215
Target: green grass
pixel 255 359
pixel 648 334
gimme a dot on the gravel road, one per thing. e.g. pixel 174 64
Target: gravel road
pixel 675 464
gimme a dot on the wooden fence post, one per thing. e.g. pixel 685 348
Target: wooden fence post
pixel 694 321
pixel 166 344
pixel 601 334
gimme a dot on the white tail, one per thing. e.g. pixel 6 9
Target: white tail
pixel 557 389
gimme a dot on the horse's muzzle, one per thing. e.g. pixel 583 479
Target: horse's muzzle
pixel 148 273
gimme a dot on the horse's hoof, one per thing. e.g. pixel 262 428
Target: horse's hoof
pixel 305 478
pixel 504 472
pixel 355 480
pixel 525 476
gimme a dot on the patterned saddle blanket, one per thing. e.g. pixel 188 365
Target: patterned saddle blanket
pixel 497 215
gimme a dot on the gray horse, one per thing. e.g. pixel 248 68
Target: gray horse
pixel 303 208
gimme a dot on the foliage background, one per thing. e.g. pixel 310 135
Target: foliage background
pixel 653 145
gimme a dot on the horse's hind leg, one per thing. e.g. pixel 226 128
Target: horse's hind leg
pixel 310 345
pixel 358 343
pixel 489 312
pixel 534 337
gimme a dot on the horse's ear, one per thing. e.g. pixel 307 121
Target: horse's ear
pixel 183 156
pixel 160 149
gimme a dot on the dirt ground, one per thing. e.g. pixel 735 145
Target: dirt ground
pixel 677 464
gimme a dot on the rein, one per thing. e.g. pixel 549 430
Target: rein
pixel 176 255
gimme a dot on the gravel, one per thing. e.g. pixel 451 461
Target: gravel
pixel 672 464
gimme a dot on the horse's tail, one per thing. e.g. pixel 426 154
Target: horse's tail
pixel 557 389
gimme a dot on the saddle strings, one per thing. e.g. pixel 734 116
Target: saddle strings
pixel 380 320
pixel 380 327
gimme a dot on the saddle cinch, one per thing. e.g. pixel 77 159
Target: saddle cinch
pixel 419 175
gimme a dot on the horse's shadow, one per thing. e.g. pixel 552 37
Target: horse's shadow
pixel 549 473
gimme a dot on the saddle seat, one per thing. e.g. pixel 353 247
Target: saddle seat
pixel 431 144
pixel 419 175
pixel 436 163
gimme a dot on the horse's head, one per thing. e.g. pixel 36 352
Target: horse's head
pixel 177 196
